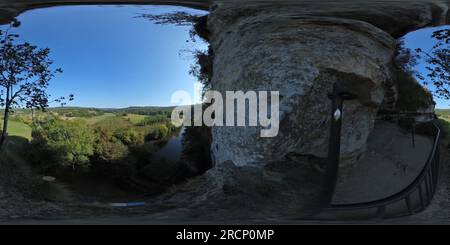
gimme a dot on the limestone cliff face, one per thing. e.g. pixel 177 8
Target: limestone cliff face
pixel 300 49
pixel 302 58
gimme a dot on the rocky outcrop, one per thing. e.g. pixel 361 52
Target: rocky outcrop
pixel 301 58
pixel 301 49
pixel 10 9
pixel 395 17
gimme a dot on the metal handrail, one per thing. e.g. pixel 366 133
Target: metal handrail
pixel 426 182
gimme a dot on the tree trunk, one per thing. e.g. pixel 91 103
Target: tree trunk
pixel 5 120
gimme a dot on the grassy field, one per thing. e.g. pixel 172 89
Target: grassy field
pixel 444 122
pixel 19 129
pixel 97 119
pixel 443 114
pixel 135 118
pixel 126 117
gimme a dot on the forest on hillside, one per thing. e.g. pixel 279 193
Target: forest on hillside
pixel 118 144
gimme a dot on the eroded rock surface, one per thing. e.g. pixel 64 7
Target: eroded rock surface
pixel 301 58
pixel 302 49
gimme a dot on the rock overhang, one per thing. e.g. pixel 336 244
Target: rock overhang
pixel 395 17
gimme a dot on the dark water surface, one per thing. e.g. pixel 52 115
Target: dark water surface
pixel 172 150
pixel 106 189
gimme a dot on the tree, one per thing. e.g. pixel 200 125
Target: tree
pixel 407 59
pixel 25 72
pixel 158 132
pixel 438 64
pixel 69 143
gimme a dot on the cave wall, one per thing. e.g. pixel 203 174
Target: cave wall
pixel 300 49
pixel 394 17
pixel 301 58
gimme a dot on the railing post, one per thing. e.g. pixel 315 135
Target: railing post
pixel 425 183
pixel 337 98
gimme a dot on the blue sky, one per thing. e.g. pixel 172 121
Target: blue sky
pixel 110 58
pixel 421 39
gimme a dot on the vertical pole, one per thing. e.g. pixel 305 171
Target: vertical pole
pixel 334 148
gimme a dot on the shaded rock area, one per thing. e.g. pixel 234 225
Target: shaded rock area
pixel 389 165
pixel 219 195
pixel 300 58
pixel 19 193
pixel 301 52
pixel 395 17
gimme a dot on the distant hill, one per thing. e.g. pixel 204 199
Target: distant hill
pixel 141 110
pixel 443 114
pixel 442 111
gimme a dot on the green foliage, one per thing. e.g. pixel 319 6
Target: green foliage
pixel 143 153
pixel 158 132
pixel 78 112
pixel 129 136
pixel 443 113
pixel 107 146
pixel 113 122
pixel 149 120
pixel 438 64
pixel 25 74
pixel 26 70
pixel 62 143
pixel 98 119
pixel 144 110
pixel 444 125
pixel 412 95
pixel 135 119
pixel 19 129
pixel 196 150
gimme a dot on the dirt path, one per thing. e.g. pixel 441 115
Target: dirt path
pixel 390 164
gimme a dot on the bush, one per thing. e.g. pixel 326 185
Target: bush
pixel 158 132
pixel 107 146
pixel 411 95
pixel 154 119
pixel 62 143
pixel 143 153
pixel 129 136
pixel 160 171
pixel 72 112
